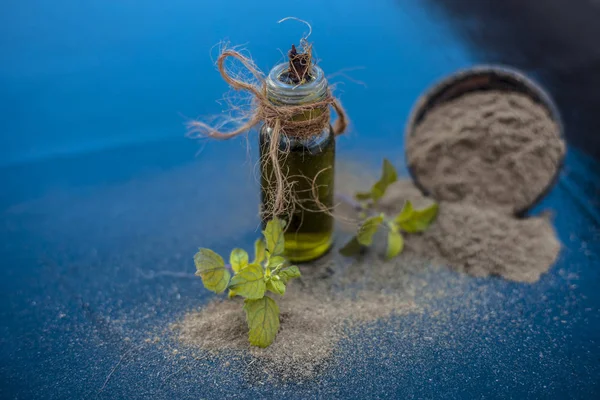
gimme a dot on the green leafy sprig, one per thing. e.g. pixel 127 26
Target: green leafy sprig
pixel 410 220
pixel 268 272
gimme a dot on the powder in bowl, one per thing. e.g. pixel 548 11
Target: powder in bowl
pixel 490 148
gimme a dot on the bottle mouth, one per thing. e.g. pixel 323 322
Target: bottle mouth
pixel 281 92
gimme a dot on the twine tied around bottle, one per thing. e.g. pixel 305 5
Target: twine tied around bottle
pixel 278 117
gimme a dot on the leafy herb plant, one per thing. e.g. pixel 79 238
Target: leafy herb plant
pixel 410 220
pixel 268 272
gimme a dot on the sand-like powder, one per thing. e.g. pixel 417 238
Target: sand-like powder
pixel 336 294
pixel 482 241
pixel 333 295
pixel 491 149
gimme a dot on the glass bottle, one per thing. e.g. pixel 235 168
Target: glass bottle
pixel 309 229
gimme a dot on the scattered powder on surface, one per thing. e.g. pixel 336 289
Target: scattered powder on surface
pixel 337 293
pixel 333 295
pixel 318 310
pixel 481 241
pixel 491 149
pixel 484 242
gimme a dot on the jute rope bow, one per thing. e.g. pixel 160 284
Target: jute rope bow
pixel 280 119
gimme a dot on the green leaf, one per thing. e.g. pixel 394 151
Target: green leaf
pixel 395 244
pixel 211 268
pixel 238 259
pixel 276 261
pixel 351 248
pixel 406 214
pixel 428 214
pixel 388 176
pixel 289 273
pixel 368 229
pixel 276 286
pixel 259 251
pixel 274 237
pixel 262 316
pixel 249 282
pixel 419 220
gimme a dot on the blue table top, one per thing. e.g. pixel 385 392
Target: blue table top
pixel 104 202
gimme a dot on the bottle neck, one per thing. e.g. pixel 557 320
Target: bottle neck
pixel 281 92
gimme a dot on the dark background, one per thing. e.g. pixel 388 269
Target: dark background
pixel 555 39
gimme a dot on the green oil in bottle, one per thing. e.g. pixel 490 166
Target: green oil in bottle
pixel 309 168
pixel 309 229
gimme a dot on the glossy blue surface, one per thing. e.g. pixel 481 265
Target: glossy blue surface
pixel 104 202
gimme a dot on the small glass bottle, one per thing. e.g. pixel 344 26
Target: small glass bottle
pixel 309 164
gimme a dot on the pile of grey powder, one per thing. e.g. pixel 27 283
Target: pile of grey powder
pixel 491 149
pixel 478 240
pixel 333 295
pixel 485 157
